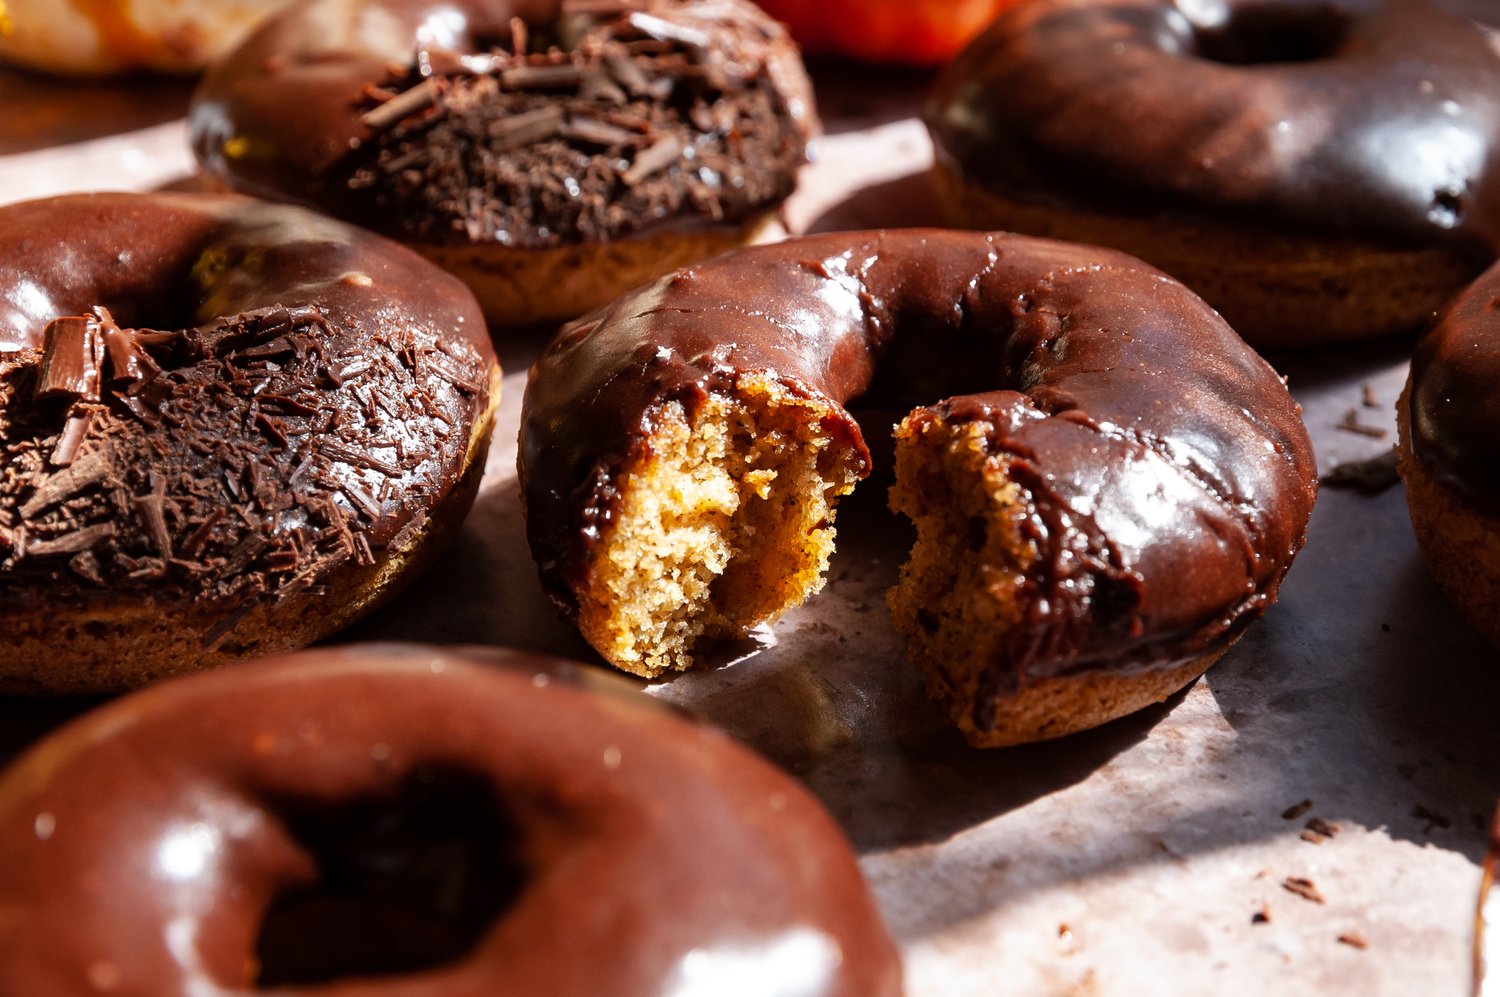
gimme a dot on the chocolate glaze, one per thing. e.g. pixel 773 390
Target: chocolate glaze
pixel 448 122
pixel 211 398
pixel 1376 119
pixel 1455 409
pixel 640 853
pixel 1169 473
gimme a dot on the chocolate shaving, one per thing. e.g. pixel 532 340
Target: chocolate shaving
pixel 598 132
pixel 71 359
pixel 86 566
pixel 667 31
pixel 67 483
pixel 71 543
pixel 405 104
pixel 195 543
pixel 357 458
pixel 657 157
pixel 525 128
pixel 75 431
pixel 626 73
pixel 149 507
pixel 128 360
pixel 441 365
pixel 541 77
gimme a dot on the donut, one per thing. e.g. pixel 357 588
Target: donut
pixel 226 428
pixel 553 159
pixel 405 821
pixel 1114 491
pixel 101 37
pixel 1447 449
pixel 925 33
pixel 1318 171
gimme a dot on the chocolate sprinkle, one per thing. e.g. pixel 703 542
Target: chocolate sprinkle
pixel 647 113
pixel 205 501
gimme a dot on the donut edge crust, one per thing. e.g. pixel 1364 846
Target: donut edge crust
pixel 110 648
pixel 519 287
pixel 1275 290
pixel 1461 546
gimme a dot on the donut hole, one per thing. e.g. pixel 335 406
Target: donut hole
pixel 1252 36
pixel 403 882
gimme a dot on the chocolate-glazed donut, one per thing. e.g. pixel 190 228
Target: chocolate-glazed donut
pixel 1317 170
pixel 1115 493
pixel 552 152
pixel 1449 448
pixel 408 821
pixel 226 428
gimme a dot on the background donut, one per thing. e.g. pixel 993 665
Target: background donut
pixel 99 37
pixel 1317 171
pixel 226 428
pixel 406 820
pixel 551 158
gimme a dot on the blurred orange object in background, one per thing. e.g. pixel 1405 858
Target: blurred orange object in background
pixel 920 32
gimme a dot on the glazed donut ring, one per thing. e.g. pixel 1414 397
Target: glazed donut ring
pixel 117 36
pixel 1449 428
pixel 397 820
pixel 226 428
pixel 1317 171
pixel 1115 492
pixel 553 153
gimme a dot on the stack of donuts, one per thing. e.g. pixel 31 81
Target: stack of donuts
pixel 234 422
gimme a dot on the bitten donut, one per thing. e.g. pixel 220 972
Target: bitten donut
pixel 226 428
pixel 1449 451
pixel 1318 171
pixel 99 37
pixel 553 154
pixel 1114 493
pixel 400 821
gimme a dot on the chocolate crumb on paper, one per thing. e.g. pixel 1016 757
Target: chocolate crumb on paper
pixel 1304 888
pixel 1296 810
pixel 1350 424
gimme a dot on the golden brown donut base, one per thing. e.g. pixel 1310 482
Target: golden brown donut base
pixel 1056 707
pixel 110 648
pixel 1461 546
pixel 521 287
pixel 726 522
pixel 956 603
pixel 1275 290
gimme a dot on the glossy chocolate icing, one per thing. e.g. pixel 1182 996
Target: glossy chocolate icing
pixel 212 398
pixel 1376 119
pixel 1455 407
pixel 645 105
pixel 1169 473
pixel 639 853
